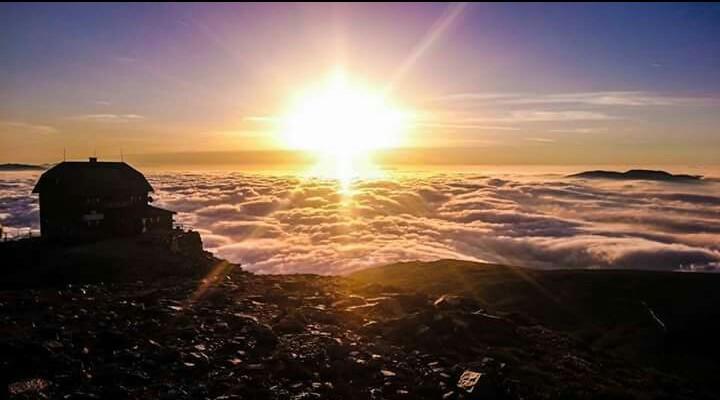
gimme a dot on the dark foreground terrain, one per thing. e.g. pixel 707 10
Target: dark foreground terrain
pixel 443 330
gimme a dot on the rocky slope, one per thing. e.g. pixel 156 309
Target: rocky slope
pixel 236 335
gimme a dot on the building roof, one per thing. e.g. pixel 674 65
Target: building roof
pixel 93 178
pixel 139 211
pixel 152 210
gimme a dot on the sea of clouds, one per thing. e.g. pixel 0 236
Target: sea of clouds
pixel 288 224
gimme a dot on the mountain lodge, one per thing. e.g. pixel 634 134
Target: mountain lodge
pixel 88 200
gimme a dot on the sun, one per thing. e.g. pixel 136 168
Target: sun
pixel 343 123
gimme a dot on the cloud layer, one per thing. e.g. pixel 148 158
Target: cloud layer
pixel 287 224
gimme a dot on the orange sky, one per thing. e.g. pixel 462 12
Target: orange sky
pixel 486 84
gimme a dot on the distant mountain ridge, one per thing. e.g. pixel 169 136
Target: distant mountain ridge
pixel 22 167
pixel 636 174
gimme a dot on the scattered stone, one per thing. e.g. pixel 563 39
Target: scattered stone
pixel 31 386
pixel 53 345
pixel 289 324
pixel 448 302
pixel 468 380
pixel 352 300
pixel 255 336
pixel 387 373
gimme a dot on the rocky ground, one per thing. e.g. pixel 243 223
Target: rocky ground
pixel 236 335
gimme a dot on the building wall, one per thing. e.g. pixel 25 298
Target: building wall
pixel 68 216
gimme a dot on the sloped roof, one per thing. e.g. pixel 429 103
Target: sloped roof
pixel 152 210
pixel 144 210
pixel 94 178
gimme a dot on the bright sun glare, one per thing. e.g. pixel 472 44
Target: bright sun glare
pixel 343 123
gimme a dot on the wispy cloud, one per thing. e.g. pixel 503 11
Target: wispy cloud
pixel 557 116
pixel 579 130
pixel 125 59
pixel 468 125
pixel 111 118
pixel 472 96
pixel 519 116
pixel 260 118
pixel 511 120
pixel 600 98
pixel 24 127
pixel 634 99
pixel 540 140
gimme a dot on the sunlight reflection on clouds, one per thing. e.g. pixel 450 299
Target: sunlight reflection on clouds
pixel 285 224
pixel 278 225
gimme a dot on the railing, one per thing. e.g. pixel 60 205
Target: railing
pixel 182 227
pixel 10 234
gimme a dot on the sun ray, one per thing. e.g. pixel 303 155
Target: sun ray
pixel 434 33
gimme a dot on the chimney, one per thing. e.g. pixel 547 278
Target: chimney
pixel 93 159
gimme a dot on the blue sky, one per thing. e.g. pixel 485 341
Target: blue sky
pixel 535 78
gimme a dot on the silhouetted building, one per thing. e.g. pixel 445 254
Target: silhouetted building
pixel 86 200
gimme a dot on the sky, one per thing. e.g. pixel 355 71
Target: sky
pixel 485 83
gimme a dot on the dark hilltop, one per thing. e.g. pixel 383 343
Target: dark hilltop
pixel 22 167
pixel 190 326
pixel 637 174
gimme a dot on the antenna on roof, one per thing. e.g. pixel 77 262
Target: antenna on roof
pixel 64 154
pixel 122 156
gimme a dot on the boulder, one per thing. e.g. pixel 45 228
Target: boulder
pixel 478 385
pixel 448 302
